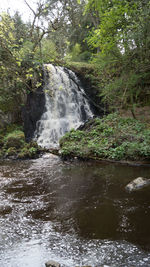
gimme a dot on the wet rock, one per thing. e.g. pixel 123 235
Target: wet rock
pixel 32 112
pixel 137 184
pixel 52 264
pixel 5 209
pixel 49 156
pixel 95 266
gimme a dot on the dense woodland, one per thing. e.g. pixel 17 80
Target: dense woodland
pixel 108 38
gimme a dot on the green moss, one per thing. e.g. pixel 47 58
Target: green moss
pixel 111 137
pixel 1 140
pixel 1 153
pixel 30 150
pixel 14 139
pixel 12 143
pixel 11 152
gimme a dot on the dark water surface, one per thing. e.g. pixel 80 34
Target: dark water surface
pixel 74 213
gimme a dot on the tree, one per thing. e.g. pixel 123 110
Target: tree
pixel 123 39
pixel 71 25
pixel 16 71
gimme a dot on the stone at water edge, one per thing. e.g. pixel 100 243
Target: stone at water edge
pixel 96 266
pixel 49 156
pixel 52 264
pixel 137 184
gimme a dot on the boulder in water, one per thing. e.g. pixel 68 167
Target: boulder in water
pixel 52 264
pixel 137 184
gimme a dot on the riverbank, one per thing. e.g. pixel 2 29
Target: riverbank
pixel 14 146
pixel 112 137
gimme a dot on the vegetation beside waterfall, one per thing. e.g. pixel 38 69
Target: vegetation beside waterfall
pixel 106 42
pixel 13 145
pixel 112 137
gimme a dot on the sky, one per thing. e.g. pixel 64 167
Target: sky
pixel 13 5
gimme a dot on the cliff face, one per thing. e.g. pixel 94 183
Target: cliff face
pixel 89 80
pixel 7 118
pixel 32 111
pixel 92 94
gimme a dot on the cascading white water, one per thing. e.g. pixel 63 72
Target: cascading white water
pixel 66 106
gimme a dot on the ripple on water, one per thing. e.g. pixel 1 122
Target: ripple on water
pixel 51 211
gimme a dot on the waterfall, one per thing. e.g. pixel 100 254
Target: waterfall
pixel 66 106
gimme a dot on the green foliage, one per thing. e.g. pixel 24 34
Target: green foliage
pixel 14 139
pixel 116 20
pixel 11 151
pixel 75 53
pixel 122 39
pixel 72 135
pixel 112 137
pixel 12 78
pixel 48 52
pixel 30 150
pixel 12 144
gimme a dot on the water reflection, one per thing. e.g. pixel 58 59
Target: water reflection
pixel 75 213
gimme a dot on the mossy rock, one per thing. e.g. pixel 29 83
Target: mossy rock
pixel 12 144
pixel 1 154
pixel 30 150
pixel 11 151
pixel 23 154
pixel 28 153
pixel 1 140
pixel 15 139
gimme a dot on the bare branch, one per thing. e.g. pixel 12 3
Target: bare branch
pixel 30 7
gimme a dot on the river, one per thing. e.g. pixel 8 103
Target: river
pixel 75 213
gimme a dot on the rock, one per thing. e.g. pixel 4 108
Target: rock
pixel 46 156
pixel 5 209
pixel 96 266
pixel 4 119
pixel 14 140
pixel 32 112
pixel 49 156
pixel 137 184
pixel 9 117
pixel 52 264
